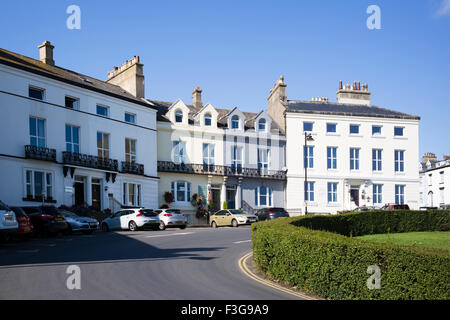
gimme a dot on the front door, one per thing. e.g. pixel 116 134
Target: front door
pixel 215 196
pixel 96 194
pixel 354 196
pixel 79 188
pixel 231 197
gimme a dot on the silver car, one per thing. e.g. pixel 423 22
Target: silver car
pixel 131 219
pixel 8 222
pixel 171 218
pixel 76 223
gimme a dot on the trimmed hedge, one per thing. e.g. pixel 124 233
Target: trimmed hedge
pixel 334 266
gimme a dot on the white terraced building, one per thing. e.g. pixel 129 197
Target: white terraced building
pixel 357 154
pixel 71 139
pixel 434 181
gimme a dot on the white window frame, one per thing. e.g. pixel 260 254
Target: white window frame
pixel 208 116
pixel 187 191
pixel 378 160
pixel 179 113
pixel 37 136
pixel 46 185
pixel 333 192
pixel 77 100
pixel 179 151
pixel 102 106
pixel 31 87
pixel 309 192
pixel 262 121
pixel 377 194
pixel 235 119
pixel 136 200
pixel 308 158
pixel 133 115
pixel 399 163
pixel 264 159
pixel 71 142
pixel 103 149
pixel 400 193
pixel 332 158
pixel 209 157
pixel 237 153
pixel 354 158
pixel 268 196
pixel 131 157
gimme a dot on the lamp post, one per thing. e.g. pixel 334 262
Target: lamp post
pixel 308 137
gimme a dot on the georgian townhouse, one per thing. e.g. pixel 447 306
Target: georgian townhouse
pixel 346 154
pixel 223 155
pixel 71 139
pixel 434 181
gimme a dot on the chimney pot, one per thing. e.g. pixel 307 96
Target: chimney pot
pixel 197 98
pixel 46 53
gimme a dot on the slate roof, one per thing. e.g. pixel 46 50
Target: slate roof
pixel 345 110
pixel 18 61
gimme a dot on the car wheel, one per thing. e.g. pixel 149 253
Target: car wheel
pixel 183 227
pixel 68 230
pixel 214 225
pixel 234 223
pixel 162 226
pixel 105 227
pixel 132 226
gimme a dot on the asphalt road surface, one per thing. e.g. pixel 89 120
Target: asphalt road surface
pixel 192 264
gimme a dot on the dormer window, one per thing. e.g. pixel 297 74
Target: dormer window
pixel 208 119
pixel 262 125
pixel 179 116
pixel 235 122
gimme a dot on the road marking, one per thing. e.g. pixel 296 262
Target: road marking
pixel 168 235
pixel 243 266
pixel 237 242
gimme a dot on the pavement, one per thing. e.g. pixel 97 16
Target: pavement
pixel 189 264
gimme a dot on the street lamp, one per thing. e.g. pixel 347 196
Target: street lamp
pixel 308 137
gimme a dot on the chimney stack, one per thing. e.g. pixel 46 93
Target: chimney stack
pixel 197 98
pixel 46 53
pixel 429 156
pixel 353 94
pixel 130 77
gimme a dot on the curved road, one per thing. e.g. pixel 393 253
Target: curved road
pixel 190 264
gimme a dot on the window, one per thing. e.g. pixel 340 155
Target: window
pixel 354 159
pixel 103 145
pixel 308 126
pixel 132 194
pixel 331 127
pixel 37 132
pixel 262 125
pixel 208 154
pixel 376 130
pixel 208 119
pixel 441 174
pixel 263 159
pixel 263 197
pixel 178 150
pixel 399 194
pixel 178 116
pixel 332 158
pixel 181 191
pixel 309 191
pixel 398 131
pixel 430 179
pixel 235 122
pixel 72 139
pixel 72 103
pixel 354 129
pixel 130 150
pixel 441 196
pixel 399 161
pixel 36 93
pixel 102 111
pixel 38 184
pixel 308 157
pixel 332 192
pixel 376 159
pixel 377 194
pixel 236 157
pixel 130 118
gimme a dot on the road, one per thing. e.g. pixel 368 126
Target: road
pixel 192 264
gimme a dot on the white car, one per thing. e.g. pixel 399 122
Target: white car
pixel 171 218
pixel 131 219
pixel 8 222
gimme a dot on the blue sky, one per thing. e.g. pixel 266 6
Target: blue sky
pixel 236 50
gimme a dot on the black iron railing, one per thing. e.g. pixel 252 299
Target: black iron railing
pixel 40 153
pixel 133 168
pixel 84 160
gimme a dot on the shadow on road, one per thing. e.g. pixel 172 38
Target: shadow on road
pixel 100 248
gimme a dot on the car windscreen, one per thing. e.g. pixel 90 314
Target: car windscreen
pixel 69 214
pixel 174 211
pixel 51 210
pixel 238 212
pixel 277 210
pixel 19 212
pixel 148 213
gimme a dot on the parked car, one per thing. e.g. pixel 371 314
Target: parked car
pixel 26 228
pixel 444 207
pixel 365 208
pixel 8 222
pixel 131 219
pixel 271 213
pixel 231 217
pixel 395 207
pixel 428 208
pixel 79 224
pixel 46 220
pixel 171 218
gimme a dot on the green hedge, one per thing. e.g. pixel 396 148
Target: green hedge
pixel 334 266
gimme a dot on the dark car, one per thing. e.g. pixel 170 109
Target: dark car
pixel 25 226
pixel 395 207
pixel 46 220
pixel 271 213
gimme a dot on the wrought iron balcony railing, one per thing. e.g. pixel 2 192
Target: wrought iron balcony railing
pixel 40 153
pixel 133 168
pixel 237 171
pixel 84 160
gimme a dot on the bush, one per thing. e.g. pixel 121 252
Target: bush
pixel 335 266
